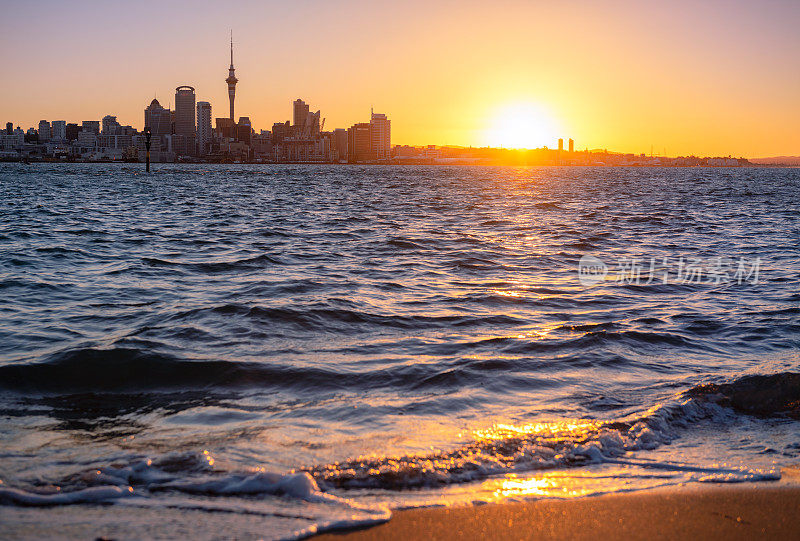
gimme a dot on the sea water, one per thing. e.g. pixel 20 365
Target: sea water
pixel 315 346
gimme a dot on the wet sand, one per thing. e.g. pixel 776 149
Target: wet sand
pixel 730 512
pixel 738 511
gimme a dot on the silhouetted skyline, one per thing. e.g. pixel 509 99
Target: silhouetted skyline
pixel 708 79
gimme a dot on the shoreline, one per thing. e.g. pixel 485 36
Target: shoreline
pixel 418 163
pixel 746 511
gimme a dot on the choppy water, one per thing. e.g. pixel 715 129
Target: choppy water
pixel 319 344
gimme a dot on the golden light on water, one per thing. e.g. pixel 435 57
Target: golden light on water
pixel 547 485
pixel 573 428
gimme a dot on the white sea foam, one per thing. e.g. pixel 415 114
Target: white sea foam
pixel 97 494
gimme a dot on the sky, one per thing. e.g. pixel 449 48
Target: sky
pixel 681 77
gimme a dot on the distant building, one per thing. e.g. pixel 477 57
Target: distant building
pixel 244 130
pixel 571 145
pixel 109 125
pixel 300 109
pixel 157 119
pixel 340 143
pixel 12 141
pixel 91 125
pixel 204 132
pixel 381 137
pixel 59 130
pixel 359 143
pixel 226 128
pixel 185 121
pixel 87 138
pixel 44 131
pixel 560 145
pixel 72 130
pixel 9 128
pixel 261 144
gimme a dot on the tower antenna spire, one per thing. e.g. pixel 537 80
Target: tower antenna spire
pixel 231 80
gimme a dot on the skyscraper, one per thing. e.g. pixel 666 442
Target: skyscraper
pixel 381 137
pixel 72 131
pixel 300 113
pixel 340 140
pixel 184 120
pixel 560 145
pixel 571 145
pixel 109 125
pixel 203 127
pixel 244 129
pixel 157 119
pixel 359 143
pixel 44 130
pixel 91 125
pixel 60 130
pixel 231 80
pixel 9 128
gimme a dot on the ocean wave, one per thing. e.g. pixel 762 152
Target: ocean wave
pixel 163 481
pixel 327 318
pixel 213 267
pixel 563 444
pixel 123 370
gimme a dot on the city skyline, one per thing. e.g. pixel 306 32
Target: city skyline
pixel 706 91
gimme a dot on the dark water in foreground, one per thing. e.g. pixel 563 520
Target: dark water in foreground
pixel 318 344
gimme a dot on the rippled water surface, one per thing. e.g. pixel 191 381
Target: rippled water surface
pixel 315 345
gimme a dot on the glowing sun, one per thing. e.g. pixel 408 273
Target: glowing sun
pixel 522 125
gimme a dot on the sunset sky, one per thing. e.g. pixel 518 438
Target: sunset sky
pixel 708 78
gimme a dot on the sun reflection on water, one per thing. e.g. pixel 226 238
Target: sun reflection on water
pixel 573 429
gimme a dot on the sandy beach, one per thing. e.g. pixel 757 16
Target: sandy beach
pixel 741 511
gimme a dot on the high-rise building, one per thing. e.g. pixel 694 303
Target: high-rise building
pixel 300 109
pixel 340 143
pixel 381 136
pixel 110 126
pixel 60 130
pixel 9 128
pixel 203 127
pixel 560 145
pixel 184 120
pixel 44 130
pixel 571 145
pixel 244 130
pixel 226 128
pixel 72 131
pixel 359 143
pixel 231 80
pixel 91 125
pixel 157 119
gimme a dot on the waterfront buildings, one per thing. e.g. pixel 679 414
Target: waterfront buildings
pixel 44 131
pixel 381 139
pixel 110 126
pixel 185 132
pixel 204 133
pixel 359 143
pixel 59 128
pixel 158 119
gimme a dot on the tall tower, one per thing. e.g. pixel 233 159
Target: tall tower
pixel 185 120
pixel 231 80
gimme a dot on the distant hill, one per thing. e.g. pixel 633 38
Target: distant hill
pixel 777 160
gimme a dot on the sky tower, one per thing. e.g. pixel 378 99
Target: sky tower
pixel 231 80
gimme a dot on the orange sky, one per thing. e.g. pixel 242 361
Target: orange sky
pixel 709 78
